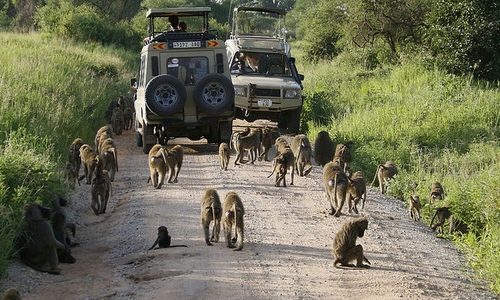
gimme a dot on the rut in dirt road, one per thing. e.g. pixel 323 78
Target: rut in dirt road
pixel 287 250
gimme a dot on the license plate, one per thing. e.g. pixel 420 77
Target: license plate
pixel 264 102
pixel 190 44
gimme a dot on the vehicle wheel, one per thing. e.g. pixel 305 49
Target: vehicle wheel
pixel 165 95
pixel 214 93
pixel 138 139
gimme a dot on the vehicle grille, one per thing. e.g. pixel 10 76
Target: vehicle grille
pixel 267 93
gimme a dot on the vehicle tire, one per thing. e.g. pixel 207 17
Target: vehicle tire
pixel 214 93
pixel 165 95
pixel 138 139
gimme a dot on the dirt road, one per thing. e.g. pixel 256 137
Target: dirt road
pixel 287 253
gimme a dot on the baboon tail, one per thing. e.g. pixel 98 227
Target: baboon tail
pixel 235 218
pixel 274 167
pixel 432 220
pixel 115 155
pixel 375 177
pixel 366 260
pixel 213 212
pixel 163 154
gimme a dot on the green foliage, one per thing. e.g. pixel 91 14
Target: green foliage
pixel 464 38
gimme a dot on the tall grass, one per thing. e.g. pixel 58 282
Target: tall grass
pixel 51 91
pixel 435 126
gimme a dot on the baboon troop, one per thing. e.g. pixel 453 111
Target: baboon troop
pixel 437 192
pixel 211 210
pixel 11 294
pixel 414 207
pixel 224 156
pixel 301 148
pixel 323 148
pixel 356 191
pixel 345 249
pixel 335 183
pixel 233 221
pixel 164 239
pixel 384 174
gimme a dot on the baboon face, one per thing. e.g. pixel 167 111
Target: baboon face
pixel 362 226
pixel 162 230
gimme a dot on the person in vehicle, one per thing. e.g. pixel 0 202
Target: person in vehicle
pixel 182 26
pixel 174 23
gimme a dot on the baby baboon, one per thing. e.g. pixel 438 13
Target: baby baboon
pixel 109 157
pixel 443 214
pixel 414 207
pixel 280 166
pixel 100 189
pixel 88 156
pixel 356 191
pixel 117 120
pixel 345 249
pixel 11 294
pixel 211 210
pixel 157 165
pixel 269 135
pixel 74 156
pixel 224 156
pixel 323 148
pixel 343 154
pixel 108 130
pixel 335 183
pixel 233 216
pixel 385 173
pixel 437 192
pixel 302 151
pixel 174 158
pixel 163 240
pixel 250 142
pixel 38 244
pixel 60 226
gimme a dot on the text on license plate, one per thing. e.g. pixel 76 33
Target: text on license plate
pixel 190 44
pixel 264 102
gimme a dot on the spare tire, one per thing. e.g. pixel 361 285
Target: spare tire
pixel 165 95
pixel 214 93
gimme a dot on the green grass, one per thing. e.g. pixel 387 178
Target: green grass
pixel 51 91
pixel 435 126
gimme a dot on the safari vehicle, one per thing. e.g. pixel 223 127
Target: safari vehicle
pixel 184 87
pixel 266 82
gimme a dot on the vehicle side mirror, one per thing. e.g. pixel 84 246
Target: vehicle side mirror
pixel 301 76
pixel 133 82
pixel 292 60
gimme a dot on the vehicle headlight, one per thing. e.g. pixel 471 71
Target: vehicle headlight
pixel 240 91
pixel 292 93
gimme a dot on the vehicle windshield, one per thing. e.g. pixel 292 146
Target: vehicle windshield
pixel 269 64
pixel 260 24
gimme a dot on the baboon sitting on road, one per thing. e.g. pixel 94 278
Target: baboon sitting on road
pixel 345 249
pixel 164 239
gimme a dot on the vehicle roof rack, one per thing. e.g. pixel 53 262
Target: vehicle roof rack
pixel 178 11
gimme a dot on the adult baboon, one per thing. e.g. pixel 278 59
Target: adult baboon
pixel 211 210
pixel 100 189
pixel 345 249
pixel 356 191
pixel 233 217
pixel 385 173
pixel 250 142
pixel 443 214
pixel 234 136
pixel 164 239
pixel 128 116
pixel 60 226
pixel 224 155
pixel 108 130
pixel 109 111
pixel 281 144
pixel 38 245
pixel 174 157
pixel 414 207
pixel 302 151
pixel 74 156
pixel 157 161
pixel 11 294
pixel 269 135
pixel 437 192
pixel 281 163
pixel 343 151
pixel 335 183
pixel 70 176
pixel 117 120
pixel 88 156
pixel 109 157
pixel 323 148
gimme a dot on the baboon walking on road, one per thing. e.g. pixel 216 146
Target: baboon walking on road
pixel 224 155
pixel 356 191
pixel 335 183
pixel 211 210
pixel 323 148
pixel 384 174
pixel 233 217
pixel 345 249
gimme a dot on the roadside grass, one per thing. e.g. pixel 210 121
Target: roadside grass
pixel 51 91
pixel 435 126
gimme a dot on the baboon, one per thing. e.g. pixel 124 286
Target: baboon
pixel 157 165
pixel 163 240
pixel 224 156
pixel 88 156
pixel 60 226
pixel 109 157
pixel 269 135
pixel 211 210
pixel 385 173
pixel 345 249
pixel 117 120
pixel 38 245
pixel 414 207
pixel 281 163
pixel 233 217
pixel 70 176
pixel 335 183
pixel 74 155
pixel 356 191
pixel 235 134
pixel 441 215
pixel 437 192
pixel 323 148
pixel 343 151
pixel 174 157
pixel 250 142
pixel 100 189
pixel 11 294
pixel 302 151
pixel 281 144
pixel 109 111
pixel 108 129
pixel 128 117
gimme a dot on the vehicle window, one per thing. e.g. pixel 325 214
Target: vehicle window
pixel 272 64
pixel 141 71
pixel 189 70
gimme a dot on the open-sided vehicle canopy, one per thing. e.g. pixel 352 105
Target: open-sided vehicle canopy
pixel 155 13
pixel 258 21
